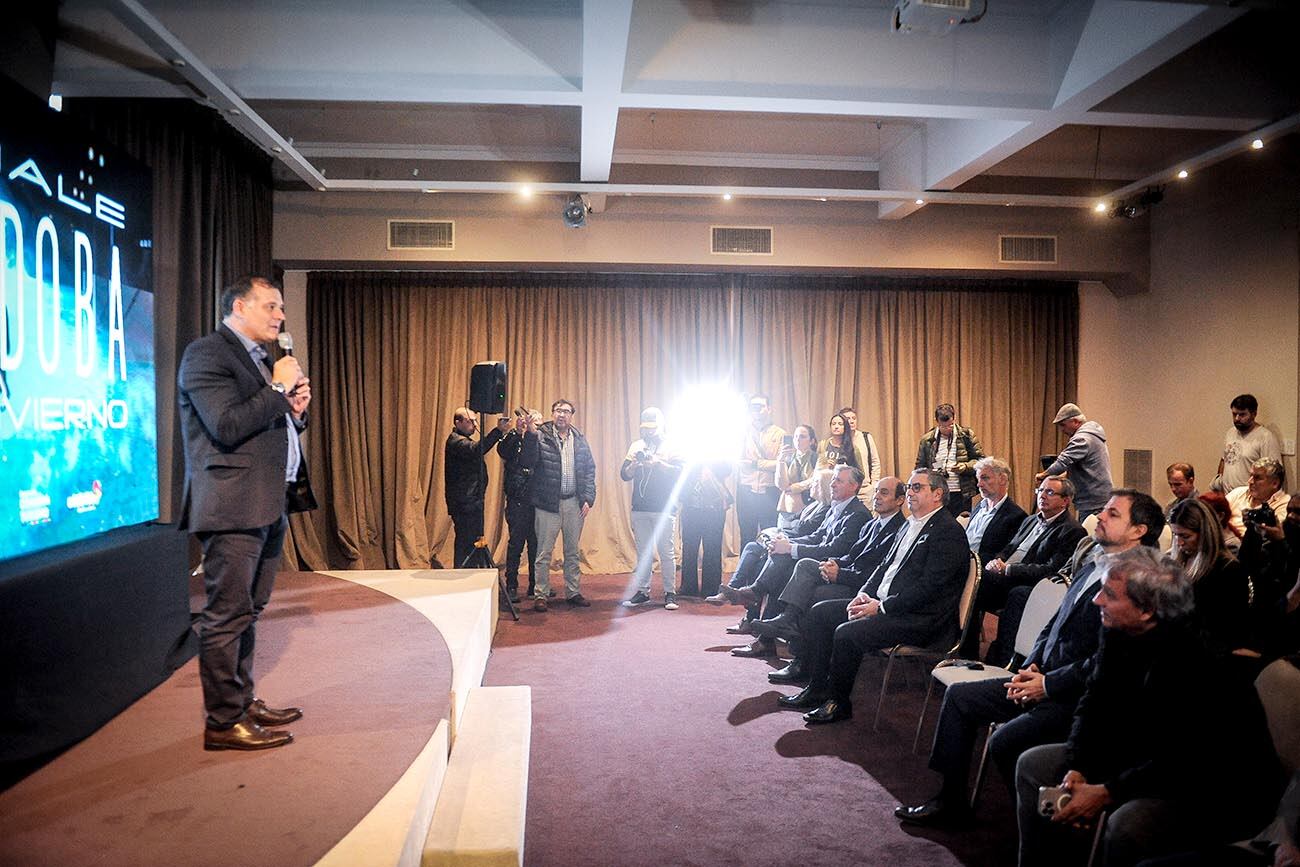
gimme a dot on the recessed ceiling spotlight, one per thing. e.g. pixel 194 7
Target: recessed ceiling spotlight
pixel 178 62
pixel 322 189
pixel 821 198
pixel 430 191
pixel 276 149
pixel 526 191
pixel 236 111
pixel 920 201
pixel 1182 173
pixel 726 197
pixel 1257 144
pixel 1100 207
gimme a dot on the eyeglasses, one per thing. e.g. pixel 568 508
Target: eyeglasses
pixel 917 487
pixel 1047 492
pixel 944 418
pixel 562 410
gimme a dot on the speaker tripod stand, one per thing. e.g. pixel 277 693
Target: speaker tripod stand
pixel 479 558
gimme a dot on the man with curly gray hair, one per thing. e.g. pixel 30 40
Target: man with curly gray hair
pixel 1175 750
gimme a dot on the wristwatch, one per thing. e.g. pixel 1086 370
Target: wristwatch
pixel 279 386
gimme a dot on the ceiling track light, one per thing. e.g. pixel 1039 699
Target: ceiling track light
pixel 575 211
pixel 1129 209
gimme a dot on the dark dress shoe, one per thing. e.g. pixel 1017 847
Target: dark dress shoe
pixel 935 811
pixel 740 595
pixel 716 599
pixel 577 600
pixel 806 698
pixel 829 711
pixel 795 672
pixel 784 625
pixel 754 650
pixel 741 628
pixel 259 713
pixel 244 735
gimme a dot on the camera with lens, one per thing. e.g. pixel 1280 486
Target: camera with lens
pixel 643 456
pixel 1263 516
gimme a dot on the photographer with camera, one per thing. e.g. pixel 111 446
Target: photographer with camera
pixel 519 499
pixel 1175 752
pixel 653 473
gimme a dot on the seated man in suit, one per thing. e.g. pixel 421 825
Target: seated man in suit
pixel 754 555
pixel 833 539
pixel 836 578
pixel 911 597
pixel 1171 747
pixel 994 520
pixel 1041 546
pixel 1037 704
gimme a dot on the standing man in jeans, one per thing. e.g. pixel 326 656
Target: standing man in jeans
pixel 520 517
pixel 653 472
pixel 564 490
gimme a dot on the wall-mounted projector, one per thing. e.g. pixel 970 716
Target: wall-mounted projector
pixel 935 17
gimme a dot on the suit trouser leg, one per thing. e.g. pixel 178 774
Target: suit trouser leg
pixel 1045 722
pixel 1004 646
pixel 966 708
pixel 803 583
pixel 818 639
pixel 771 581
pixel 854 640
pixel 1041 841
pixel 239 570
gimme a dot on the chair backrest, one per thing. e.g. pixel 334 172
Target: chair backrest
pixel 966 604
pixel 1278 686
pixel 1090 523
pixel 963 520
pixel 1043 601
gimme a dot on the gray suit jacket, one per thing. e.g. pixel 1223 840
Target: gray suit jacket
pixel 236 439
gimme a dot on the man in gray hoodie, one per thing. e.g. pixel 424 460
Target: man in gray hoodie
pixel 1085 460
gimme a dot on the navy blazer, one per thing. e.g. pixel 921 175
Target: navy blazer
pixel 1067 668
pixel 929 581
pixel 236 438
pixel 1049 552
pixel 834 538
pixel 866 554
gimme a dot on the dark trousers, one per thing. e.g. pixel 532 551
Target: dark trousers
pixel 967 710
pixel 468 524
pixel 755 512
pixel 523 531
pixel 836 645
pixel 771 581
pixel 806 586
pixel 1013 609
pixel 753 560
pixel 702 528
pixel 239 569
pixel 956 502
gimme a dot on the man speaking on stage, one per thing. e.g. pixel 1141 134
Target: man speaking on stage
pixel 244 469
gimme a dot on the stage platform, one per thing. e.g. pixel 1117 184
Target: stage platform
pixel 381 662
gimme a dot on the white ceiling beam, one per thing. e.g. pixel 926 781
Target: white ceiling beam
pixel 605 27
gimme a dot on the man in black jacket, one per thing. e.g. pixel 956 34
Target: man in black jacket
pixel 564 490
pixel 1176 752
pixel 465 478
pixel 1037 704
pixel 911 597
pixel 519 501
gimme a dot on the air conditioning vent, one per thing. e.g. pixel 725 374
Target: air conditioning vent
pixel 744 240
pixel 1027 249
pixel 1137 469
pixel 421 235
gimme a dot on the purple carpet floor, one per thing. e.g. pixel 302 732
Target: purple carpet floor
pixel 652 745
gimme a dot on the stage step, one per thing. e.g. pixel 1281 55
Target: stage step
pixel 479 817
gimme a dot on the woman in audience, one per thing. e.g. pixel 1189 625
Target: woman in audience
pixel 838 447
pixel 705 501
pixel 795 464
pixel 1218 503
pixel 1220 589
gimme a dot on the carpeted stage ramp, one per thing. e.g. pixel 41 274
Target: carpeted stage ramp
pixel 651 745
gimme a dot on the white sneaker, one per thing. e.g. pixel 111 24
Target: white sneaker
pixel 670 601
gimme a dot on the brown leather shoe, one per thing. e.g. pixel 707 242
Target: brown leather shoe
pixel 740 595
pixel 259 713
pixel 539 604
pixel 244 735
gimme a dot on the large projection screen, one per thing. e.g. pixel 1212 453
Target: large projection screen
pixel 78 429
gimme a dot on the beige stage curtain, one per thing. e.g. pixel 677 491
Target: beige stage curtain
pixel 391 354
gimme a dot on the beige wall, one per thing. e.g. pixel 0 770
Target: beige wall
pixel 1222 317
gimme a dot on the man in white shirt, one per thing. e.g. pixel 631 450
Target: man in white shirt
pixel 995 519
pixel 1264 487
pixel 1246 442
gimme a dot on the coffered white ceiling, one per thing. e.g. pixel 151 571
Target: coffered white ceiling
pixel 1041 102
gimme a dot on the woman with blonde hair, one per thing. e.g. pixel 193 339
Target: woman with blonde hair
pixel 794 469
pixel 1220 588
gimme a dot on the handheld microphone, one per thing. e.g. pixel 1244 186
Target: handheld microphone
pixel 285 339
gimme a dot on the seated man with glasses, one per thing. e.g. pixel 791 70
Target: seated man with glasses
pixel 1041 546
pixel 911 598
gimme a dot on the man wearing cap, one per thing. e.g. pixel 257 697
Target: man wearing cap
pixel 1085 459
pixel 653 472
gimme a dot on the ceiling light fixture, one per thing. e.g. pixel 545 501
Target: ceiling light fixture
pixel 1100 207
pixel 726 197
pixel 1182 174
pixel 576 211
pixel 920 201
pixel 1257 144
pixel 526 191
